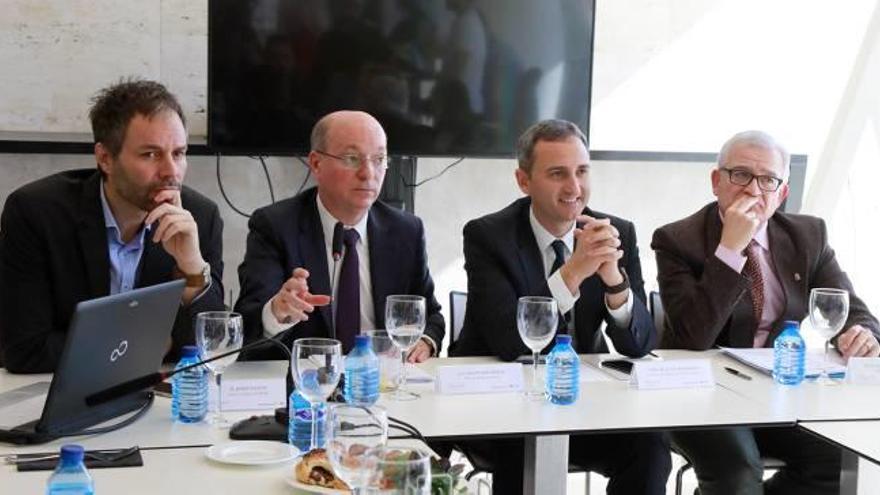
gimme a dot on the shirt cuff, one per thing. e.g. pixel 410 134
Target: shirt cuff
pixel 564 298
pixel 736 261
pixel 622 316
pixel 432 344
pixel 271 326
pixel 202 293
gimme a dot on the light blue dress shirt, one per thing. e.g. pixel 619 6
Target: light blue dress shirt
pixel 124 258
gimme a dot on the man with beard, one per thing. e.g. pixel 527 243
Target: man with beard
pixel 87 233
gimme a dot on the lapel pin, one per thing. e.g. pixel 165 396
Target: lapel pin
pixel 797 277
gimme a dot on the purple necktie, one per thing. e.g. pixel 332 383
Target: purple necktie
pixel 348 296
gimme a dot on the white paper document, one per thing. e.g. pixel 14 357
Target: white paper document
pixel 863 371
pixel 762 360
pixel 479 378
pixel 414 374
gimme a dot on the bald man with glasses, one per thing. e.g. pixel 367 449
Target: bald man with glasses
pixel 730 275
pixel 295 275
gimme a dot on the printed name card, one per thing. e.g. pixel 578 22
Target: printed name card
pixel 679 373
pixel 479 378
pixel 863 371
pixel 249 394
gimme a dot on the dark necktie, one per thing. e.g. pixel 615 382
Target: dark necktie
pixel 348 296
pixel 558 248
pixel 752 270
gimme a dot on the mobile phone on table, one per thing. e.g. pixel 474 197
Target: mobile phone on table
pixel 542 359
pixel 619 365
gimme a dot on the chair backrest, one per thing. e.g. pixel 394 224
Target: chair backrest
pixel 457 303
pixel 655 306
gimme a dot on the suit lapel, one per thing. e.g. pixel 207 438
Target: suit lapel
pixel 529 256
pixel 314 253
pixel 92 235
pixel 382 263
pixel 791 271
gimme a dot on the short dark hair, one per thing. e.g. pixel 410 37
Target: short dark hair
pixel 113 108
pixel 545 130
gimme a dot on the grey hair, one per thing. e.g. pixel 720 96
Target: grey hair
pixel 546 130
pixel 758 139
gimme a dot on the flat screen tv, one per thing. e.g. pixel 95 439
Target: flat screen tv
pixel 444 77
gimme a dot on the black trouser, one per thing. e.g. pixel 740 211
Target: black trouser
pixel 635 463
pixel 729 461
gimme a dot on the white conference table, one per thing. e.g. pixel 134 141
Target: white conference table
pixel 857 439
pixel 606 406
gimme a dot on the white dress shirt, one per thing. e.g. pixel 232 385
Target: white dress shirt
pixel 565 300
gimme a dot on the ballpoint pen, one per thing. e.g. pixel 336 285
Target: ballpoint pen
pixel 737 373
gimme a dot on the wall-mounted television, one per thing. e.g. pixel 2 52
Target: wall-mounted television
pixel 444 77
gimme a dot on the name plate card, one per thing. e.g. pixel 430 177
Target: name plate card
pixel 863 371
pixel 479 378
pixel 679 373
pixel 249 394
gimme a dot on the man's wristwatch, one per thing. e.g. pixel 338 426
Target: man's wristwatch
pixel 617 289
pixel 197 280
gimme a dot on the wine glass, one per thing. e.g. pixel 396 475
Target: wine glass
pixel 401 471
pixel 829 309
pixel 536 320
pixel 316 365
pixel 218 332
pixel 353 434
pixel 405 322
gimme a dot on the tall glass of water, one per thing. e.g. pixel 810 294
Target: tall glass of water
pixel 536 320
pixel 405 322
pixel 829 309
pixel 316 365
pixel 353 435
pixel 218 332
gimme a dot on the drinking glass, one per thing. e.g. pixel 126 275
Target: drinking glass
pixel 829 309
pixel 405 322
pixel 401 471
pixel 536 320
pixel 389 359
pixel 316 365
pixel 353 435
pixel 218 332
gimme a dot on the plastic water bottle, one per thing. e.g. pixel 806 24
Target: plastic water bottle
pixel 362 373
pixel 788 355
pixel 189 389
pixel 299 428
pixel 563 369
pixel 70 477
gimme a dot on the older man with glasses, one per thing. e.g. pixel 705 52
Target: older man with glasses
pixel 730 275
pixel 325 260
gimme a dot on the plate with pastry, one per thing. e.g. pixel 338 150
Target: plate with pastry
pixel 251 452
pixel 314 474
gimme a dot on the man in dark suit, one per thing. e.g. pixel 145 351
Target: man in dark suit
pixel 84 234
pixel 730 275
pixel 286 274
pixel 550 244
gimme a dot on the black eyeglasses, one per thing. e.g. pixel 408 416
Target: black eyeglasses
pixel 740 177
pixel 354 160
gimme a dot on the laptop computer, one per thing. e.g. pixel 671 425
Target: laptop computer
pixel 111 340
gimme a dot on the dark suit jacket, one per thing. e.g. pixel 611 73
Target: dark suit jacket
pixel 707 303
pixel 54 254
pixel 288 235
pixel 504 263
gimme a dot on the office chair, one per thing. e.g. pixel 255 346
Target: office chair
pixel 655 306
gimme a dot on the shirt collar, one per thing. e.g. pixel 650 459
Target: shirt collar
pixel 545 238
pixel 328 223
pixel 110 220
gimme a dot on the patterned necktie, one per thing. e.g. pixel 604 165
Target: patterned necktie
pixel 752 270
pixel 348 296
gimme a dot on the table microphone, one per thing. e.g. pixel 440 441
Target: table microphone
pixel 152 379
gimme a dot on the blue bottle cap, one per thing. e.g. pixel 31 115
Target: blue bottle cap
pixel 72 453
pixel 563 339
pixel 791 323
pixel 189 351
pixel 361 340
